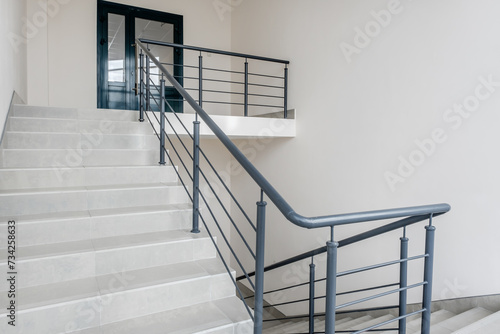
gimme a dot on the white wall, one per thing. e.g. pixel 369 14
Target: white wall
pixel 355 119
pixel 62 56
pixel 12 54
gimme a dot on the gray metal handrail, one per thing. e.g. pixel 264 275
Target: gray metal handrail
pixel 221 52
pixel 273 194
pixel 407 215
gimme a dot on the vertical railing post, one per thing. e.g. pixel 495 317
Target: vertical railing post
pixel 246 89
pixel 259 265
pixel 403 282
pixel 162 121
pixel 196 175
pixel 331 284
pixel 141 87
pixel 200 80
pixel 312 278
pixel 148 84
pixel 285 92
pixel 428 272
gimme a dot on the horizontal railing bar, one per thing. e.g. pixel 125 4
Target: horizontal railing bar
pixel 321 297
pixel 351 240
pixel 185 77
pixel 225 53
pixel 387 322
pixel 380 265
pixel 264 105
pixel 367 289
pixel 219 70
pixel 266 75
pixel 383 294
pixel 287 318
pixel 266 95
pixel 369 309
pixel 274 195
pixel 222 102
pixel 267 86
pixel 180 65
pixel 224 81
pixel 291 302
pixel 222 92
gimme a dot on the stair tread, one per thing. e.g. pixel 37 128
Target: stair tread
pixel 373 322
pixel 486 325
pixel 109 284
pixel 64 215
pixel 9 192
pixel 102 244
pixel 187 320
pixel 353 322
pixel 461 320
pixel 70 119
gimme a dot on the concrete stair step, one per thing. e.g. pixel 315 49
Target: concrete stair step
pixel 64 158
pixel 373 322
pixel 14 204
pixel 96 224
pixel 107 299
pixel 351 323
pixel 62 125
pixel 414 326
pixel 32 178
pixel 44 112
pixel 459 321
pixel 74 113
pixel 84 141
pixel 66 261
pixel 487 325
pixel 223 316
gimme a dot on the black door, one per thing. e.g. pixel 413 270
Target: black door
pixel 117 28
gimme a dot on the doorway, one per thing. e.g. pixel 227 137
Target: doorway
pixel 117 28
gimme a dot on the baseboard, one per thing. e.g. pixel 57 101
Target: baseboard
pixel 16 99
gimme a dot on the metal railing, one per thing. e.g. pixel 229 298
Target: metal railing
pixel 195 173
pixel 238 88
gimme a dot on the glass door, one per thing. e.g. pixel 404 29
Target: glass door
pixel 118 27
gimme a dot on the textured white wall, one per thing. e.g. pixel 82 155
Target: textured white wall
pixel 12 54
pixel 373 83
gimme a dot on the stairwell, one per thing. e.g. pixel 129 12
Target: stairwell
pixel 102 232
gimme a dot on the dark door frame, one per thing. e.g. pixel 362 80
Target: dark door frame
pixel 130 13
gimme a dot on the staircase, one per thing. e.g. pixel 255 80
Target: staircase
pixel 102 232
pixel 474 321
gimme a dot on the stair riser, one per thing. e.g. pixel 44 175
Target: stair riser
pixel 15 179
pixel 17 205
pixel 84 141
pixel 28 124
pixel 61 159
pixel 89 263
pixel 118 304
pixel 85 228
pixel 71 113
pixel 51 125
pixel 155 299
pixel 44 112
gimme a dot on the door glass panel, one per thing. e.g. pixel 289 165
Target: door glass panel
pixel 116 48
pixel 157 31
